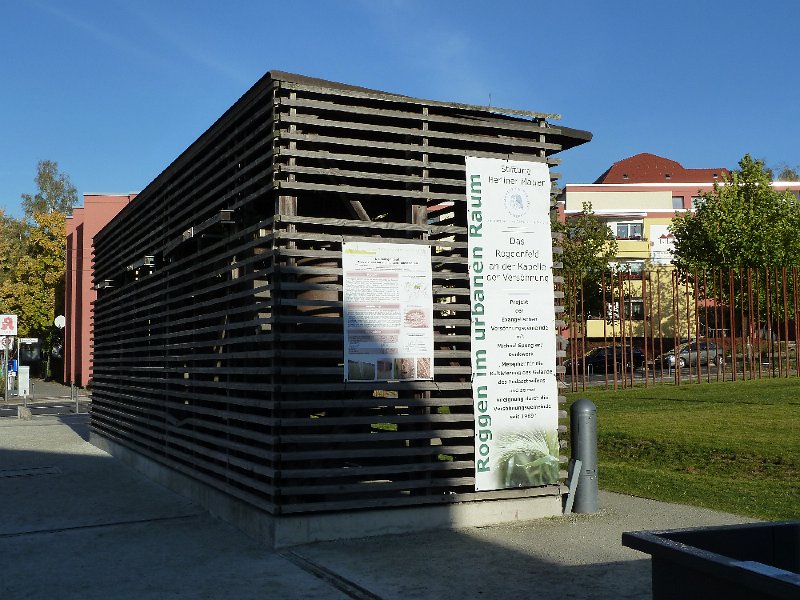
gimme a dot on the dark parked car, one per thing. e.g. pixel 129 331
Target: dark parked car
pixel 691 353
pixel 601 360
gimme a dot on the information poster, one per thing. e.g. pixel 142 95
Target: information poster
pixel 662 245
pixel 513 324
pixel 388 311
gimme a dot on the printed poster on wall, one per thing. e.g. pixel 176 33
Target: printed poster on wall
pixel 662 245
pixel 388 311
pixel 513 332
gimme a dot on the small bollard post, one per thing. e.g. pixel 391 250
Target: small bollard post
pixel 583 438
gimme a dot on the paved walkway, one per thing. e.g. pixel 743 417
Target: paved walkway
pixel 74 523
pixel 42 390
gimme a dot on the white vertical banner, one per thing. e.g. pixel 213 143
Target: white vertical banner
pixel 513 330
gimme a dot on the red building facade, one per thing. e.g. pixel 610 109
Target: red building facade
pixel 82 226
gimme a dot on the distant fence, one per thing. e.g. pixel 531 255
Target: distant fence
pixel 660 326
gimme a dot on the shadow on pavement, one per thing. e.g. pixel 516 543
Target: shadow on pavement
pixel 79 424
pixel 77 523
pixel 523 560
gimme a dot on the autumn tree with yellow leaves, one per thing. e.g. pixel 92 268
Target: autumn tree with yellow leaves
pixel 32 256
pixel 32 285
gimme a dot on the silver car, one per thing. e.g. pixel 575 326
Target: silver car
pixel 691 353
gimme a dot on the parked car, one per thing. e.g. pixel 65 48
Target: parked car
pixel 691 353
pixel 601 360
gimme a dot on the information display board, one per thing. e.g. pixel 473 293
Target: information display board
pixel 388 311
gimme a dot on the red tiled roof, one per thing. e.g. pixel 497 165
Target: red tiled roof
pixel 649 168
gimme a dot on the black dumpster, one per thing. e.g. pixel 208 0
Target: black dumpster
pixel 752 561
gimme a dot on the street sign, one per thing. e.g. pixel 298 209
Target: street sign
pixel 8 324
pixel 28 340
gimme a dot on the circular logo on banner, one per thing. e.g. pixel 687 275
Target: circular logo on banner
pixel 517 202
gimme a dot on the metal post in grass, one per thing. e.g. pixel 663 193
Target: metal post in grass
pixel 583 435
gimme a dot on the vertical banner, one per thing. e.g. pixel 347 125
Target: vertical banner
pixel 513 332
pixel 388 311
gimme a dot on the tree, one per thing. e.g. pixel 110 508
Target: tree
pixel 34 289
pixel 787 173
pixel 745 232
pixel 588 246
pixel 32 255
pixel 741 223
pixel 12 236
pixel 55 191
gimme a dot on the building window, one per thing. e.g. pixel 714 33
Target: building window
pixel 629 231
pixel 628 269
pixel 677 203
pixel 633 307
pixel 697 202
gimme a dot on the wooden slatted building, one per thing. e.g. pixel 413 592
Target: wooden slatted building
pixel 218 334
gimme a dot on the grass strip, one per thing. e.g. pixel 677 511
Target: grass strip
pixel 732 446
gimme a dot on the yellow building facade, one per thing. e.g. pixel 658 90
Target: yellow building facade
pixel 637 198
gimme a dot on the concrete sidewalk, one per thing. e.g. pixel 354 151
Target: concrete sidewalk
pixel 44 390
pixel 76 523
pixel 575 556
pixel 47 391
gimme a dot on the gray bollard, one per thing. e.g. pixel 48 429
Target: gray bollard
pixel 583 437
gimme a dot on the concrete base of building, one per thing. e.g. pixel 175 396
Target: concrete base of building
pixel 293 530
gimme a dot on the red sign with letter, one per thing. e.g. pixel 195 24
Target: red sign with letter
pixel 8 324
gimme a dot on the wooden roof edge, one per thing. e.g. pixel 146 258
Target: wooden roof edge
pixel 323 84
pixel 567 137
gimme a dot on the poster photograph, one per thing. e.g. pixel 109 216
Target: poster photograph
pixel 513 335
pixel 388 312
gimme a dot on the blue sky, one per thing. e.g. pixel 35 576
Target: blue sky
pixel 114 90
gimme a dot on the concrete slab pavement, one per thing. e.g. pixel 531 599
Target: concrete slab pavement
pixel 42 390
pixel 48 396
pixel 74 522
pixel 573 556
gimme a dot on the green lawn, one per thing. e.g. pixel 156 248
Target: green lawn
pixel 731 446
